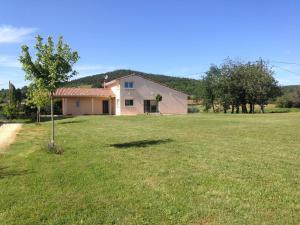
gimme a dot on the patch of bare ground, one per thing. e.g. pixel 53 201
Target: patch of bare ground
pixel 8 133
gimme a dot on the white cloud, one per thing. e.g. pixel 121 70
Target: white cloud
pixel 10 34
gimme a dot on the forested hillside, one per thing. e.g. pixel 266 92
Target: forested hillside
pixel 290 88
pixel 186 85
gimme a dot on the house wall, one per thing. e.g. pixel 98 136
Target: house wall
pixel 116 90
pixel 173 102
pixel 112 107
pixel 88 105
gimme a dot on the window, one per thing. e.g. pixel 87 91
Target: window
pixel 128 85
pixel 77 103
pixel 128 102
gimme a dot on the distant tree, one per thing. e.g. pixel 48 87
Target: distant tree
pixel 9 111
pixel 12 95
pixel 285 101
pixel 267 87
pixel 237 84
pixel 209 84
pixel 224 88
pixel 52 66
pixel 290 98
pixel 39 97
pixel 3 95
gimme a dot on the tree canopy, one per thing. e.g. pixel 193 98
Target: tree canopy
pixel 53 65
pixel 235 84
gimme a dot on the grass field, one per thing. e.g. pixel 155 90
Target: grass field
pixel 194 169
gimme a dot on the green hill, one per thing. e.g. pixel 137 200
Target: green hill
pixel 186 85
pixel 290 88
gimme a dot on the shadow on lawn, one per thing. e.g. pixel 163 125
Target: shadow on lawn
pixel 71 122
pixel 141 144
pixel 4 172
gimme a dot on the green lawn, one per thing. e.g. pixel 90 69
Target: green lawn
pixel 193 169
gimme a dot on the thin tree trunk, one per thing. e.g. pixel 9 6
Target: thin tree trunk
pixel 37 115
pixel 237 109
pixel 52 120
pixel 212 103
pixel 262 108
pixel 251 108
pixel 39 111
pixel 244 108
pixel 232 109
pixel 224 109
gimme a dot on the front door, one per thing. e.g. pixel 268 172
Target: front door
pixel 105 105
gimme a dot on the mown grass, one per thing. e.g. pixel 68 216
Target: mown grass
pixel 194 169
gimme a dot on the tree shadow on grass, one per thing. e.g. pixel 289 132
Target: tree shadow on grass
pixel 141 143
pixel 5 172
pixel 47 118
pixel 71 122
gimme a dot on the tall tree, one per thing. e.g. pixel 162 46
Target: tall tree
pixel 238 84
pixel 11 94
pixel 53 65
pixel 267 87
pixel 9 108
pixel 209 85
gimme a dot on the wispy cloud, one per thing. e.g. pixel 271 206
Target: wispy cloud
pixel 10 34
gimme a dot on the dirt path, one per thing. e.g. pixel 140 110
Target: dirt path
pixel 8 134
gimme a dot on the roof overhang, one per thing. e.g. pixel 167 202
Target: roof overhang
pixel 83 92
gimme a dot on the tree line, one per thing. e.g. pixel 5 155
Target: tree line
pixel 11 100
pixel 235 86
pixel 25 103
pixel 290 97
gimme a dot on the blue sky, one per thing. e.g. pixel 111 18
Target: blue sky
pixel 180 38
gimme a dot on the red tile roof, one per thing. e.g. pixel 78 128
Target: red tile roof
pixel 83 92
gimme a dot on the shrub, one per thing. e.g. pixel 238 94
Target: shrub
pixel 9 111
pixel 284 102
pixel 193 110
pixel 50 148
